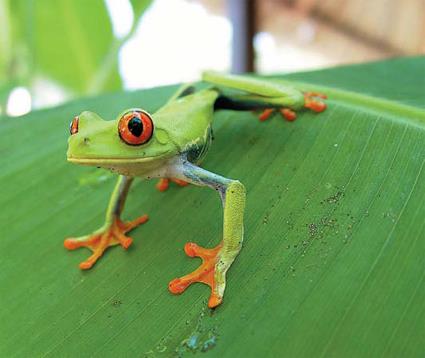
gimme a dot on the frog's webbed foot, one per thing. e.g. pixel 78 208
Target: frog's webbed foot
pixel 215 261
pixel 311 101
pixel 109 235
pixel 164 183
pixel 208 272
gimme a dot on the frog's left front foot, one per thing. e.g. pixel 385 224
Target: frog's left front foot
pixel 211 272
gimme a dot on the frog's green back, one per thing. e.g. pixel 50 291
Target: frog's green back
pixel 187 120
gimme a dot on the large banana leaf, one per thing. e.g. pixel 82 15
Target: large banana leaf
pixel 333 261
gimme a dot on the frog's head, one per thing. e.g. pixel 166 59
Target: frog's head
pixel 131 140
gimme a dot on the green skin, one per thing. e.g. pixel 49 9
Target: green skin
pixel 180 140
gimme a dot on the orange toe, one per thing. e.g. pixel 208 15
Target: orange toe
pixel 126 242
pixel 177 286
pixel 86 265
pixel 288 114
pixel 162 184
pixel 130 225
pixel 315 106
pixel 311 103
pixel 265 114
pixel 179 182
pixel 85 241
pixel 70 244
pixel 190 249
pixel 214 301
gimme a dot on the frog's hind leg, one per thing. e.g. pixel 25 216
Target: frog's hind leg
pixel 215 261
pixel 113 232
pixel 266 95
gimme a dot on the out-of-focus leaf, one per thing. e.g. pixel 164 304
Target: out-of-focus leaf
pixel 333 258
pixel 139 6
pixel 69 40
pixel 4 95
pixel 5 40
pixel 17 62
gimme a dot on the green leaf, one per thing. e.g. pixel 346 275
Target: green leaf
pixel 332 263
pixel 139 7
pixel 69 40
pixel 16 61
pixel 5 40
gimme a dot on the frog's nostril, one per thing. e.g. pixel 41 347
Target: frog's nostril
pixel 73 127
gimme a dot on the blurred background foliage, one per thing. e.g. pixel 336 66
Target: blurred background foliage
pixel 53 51
pixel 64 44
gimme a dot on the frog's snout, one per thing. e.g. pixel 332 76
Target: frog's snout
pixel 73 127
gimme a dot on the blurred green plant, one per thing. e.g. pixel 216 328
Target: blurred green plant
pixel 69 42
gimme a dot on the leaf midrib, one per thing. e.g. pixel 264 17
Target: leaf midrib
pixel 396 110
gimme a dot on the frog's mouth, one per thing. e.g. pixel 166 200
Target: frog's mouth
pixel 124 166
pixel 116 161
pixel 111 161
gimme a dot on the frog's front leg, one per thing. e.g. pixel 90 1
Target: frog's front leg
pixel 113 232
pixel 216 261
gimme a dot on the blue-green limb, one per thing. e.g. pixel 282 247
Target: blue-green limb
pixel 216 261
pixel 113 231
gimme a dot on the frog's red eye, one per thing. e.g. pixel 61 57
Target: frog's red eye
pixel 73 127
pixel 135 127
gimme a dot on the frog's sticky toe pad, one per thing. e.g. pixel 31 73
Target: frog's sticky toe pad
pixel 99 241
pixel 311 102
pixel 205 273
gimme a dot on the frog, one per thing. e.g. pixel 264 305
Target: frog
pixel 170 145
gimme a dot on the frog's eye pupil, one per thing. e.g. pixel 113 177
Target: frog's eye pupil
pixel 135 126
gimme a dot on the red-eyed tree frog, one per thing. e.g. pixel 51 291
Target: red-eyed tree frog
pixel 170 144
